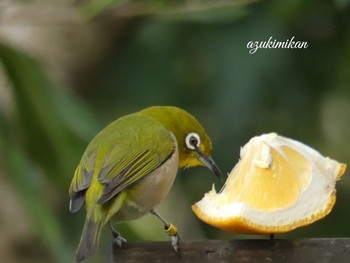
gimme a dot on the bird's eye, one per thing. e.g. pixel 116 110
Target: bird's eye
pixel 192 141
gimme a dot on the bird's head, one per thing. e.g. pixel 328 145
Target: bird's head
pixel 194 144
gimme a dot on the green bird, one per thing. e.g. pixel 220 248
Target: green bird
pixel 130 167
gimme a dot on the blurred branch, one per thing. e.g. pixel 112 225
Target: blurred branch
pixel 39 15
pixel 201 6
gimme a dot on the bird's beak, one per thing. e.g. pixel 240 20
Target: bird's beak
pixel 209 163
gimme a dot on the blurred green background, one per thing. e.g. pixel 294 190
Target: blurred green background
pixel 69 68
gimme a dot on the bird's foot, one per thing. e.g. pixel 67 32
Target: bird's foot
pixel 171 230
pixel 119 240
pixel 175 240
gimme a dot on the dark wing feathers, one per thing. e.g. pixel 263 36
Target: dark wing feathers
pixel 80 183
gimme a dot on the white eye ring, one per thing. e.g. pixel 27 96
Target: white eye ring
pixel 192 141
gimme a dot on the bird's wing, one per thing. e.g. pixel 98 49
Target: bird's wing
pixel 134 166
pixel 81 181
pixel 120 155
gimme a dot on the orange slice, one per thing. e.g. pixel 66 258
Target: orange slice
pixel 279 184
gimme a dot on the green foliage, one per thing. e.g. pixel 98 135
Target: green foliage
pixel 46 114
pixel 29 184
pixel 43 144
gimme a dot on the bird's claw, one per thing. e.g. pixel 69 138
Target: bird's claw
pixel 119 240
pixel 175 242
pixel 174 236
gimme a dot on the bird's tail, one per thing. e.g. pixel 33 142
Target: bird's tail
pixel 89 239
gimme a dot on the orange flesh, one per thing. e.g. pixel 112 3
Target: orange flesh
pixel 268 189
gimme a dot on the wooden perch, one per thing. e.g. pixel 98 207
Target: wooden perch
pixel 335 250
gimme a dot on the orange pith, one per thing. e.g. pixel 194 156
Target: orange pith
pixel 244 226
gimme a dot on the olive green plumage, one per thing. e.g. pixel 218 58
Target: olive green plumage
pixel 128 161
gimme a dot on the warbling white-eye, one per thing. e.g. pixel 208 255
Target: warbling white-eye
pixel 130 167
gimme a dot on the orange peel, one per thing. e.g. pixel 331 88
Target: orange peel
pixel 279 184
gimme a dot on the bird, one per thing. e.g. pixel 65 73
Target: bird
pixel 129 167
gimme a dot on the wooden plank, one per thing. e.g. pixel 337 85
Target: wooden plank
pixel 333 250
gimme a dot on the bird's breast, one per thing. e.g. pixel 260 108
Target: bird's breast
pixel 150 190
